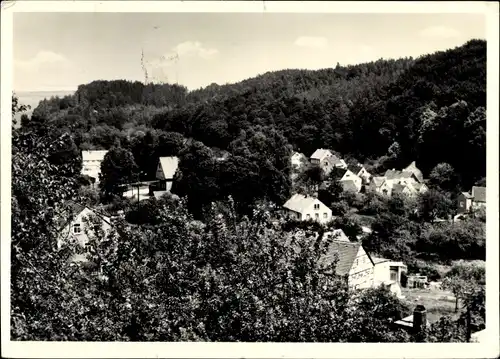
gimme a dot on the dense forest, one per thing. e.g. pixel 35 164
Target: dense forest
pixel 387 113
pixel 384 114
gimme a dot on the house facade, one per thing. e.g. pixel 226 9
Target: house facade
pixel 327 160
pixel 167 166
pixel 303 208
pixel 474 200
pixel 353 263
pixel 91 163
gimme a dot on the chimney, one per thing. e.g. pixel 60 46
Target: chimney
pixel 419 319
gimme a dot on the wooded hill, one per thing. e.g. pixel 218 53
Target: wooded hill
pixel 385 113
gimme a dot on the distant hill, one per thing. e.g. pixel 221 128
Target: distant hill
pixel 33 98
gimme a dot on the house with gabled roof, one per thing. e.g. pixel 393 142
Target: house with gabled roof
pixel 319 155
pixel 348 180
pixel 360 171
pixel 302 207
pixel 91 163
pixel 473 200
pixel 405 189
pixel 378 184
pixel 353 263
pixel 167 167
pixel 327 160
pixel 78 222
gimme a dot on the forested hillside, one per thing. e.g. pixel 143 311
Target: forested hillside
pixel 385 113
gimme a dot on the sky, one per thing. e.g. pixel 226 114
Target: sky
pixel 59 51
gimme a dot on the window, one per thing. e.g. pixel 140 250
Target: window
pixel 316 206
pixel 325 215
pixel 77 228
pixel 317 215
pixel 308 216
pixel 461 204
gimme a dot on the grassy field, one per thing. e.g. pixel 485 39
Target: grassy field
pixel 437 302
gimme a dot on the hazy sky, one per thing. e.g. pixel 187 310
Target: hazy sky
pixel 59 51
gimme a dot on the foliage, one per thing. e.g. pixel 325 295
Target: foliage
pixel 434 204
pixel 117 169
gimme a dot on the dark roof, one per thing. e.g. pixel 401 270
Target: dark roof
pixel 349 186
pixel 338 173
pixel 479 194
pixel 346 251
pixel 398 188
pixel 355 168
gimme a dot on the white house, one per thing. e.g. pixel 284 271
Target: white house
pixel 327 160
pixel 167 166
pixel 91 163
pixel 78 223
pixel 473 200
pixel 353 262
pixel 303 208
pixel 347 176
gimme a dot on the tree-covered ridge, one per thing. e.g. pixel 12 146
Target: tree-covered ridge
pixel 215 261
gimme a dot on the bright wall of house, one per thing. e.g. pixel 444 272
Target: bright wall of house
pixel 361 274
pixel 92 169
pixel 318 212
pixel 70 233
pixel 464 204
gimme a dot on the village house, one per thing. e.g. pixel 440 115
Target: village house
pixel 80 221
pixel 348 180
pixel 470 201
pixel 336 234
pixel 360 171
pixel 354 263
pixel 327 160
pixel 388 273
pixel 91 163
pixel 167 166
pixel 303 208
